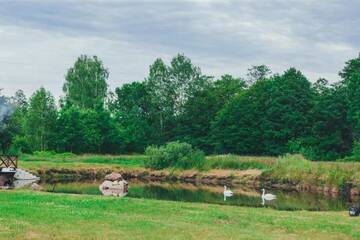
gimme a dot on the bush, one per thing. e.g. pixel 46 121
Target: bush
pixel 174 154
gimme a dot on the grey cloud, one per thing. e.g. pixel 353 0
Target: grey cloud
pixel 220 36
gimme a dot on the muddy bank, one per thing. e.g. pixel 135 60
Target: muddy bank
pixel 349 189
pixel 252 178
pixel 214 177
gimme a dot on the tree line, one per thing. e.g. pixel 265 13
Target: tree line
pixel 263 113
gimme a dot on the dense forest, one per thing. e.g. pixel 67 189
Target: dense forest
pixel 263 113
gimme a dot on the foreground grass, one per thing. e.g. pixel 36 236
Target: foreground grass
pixel 29 215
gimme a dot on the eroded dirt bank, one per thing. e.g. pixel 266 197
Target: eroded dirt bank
pixel 251 178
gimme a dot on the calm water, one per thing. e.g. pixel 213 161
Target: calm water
pixel 211 194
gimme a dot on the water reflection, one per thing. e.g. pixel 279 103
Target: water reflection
pixel 18 184
pixel 242 196
pixel 114 188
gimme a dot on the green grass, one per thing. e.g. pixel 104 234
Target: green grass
pixel 296 169
pixel 76 161
pixel 236 162
pixel 29 215
pixel 46 159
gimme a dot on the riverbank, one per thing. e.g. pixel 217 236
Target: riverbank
pixel 290 172
pixel 63 216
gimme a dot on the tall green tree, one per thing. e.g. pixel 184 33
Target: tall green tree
pixel 187 80
pixel 287 112
pixel 160 91
pixel 86 83
pixel 88 131
pixel 257 72
pixel 330 137
pixel 41 120
pixel 131 109
pixel 169 88
pixel 238 127
pixel 201 108
pixel 351 78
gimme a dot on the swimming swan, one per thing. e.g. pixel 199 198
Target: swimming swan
pixel 268 196
pixel 227 192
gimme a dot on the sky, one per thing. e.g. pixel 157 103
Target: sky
pixel 40 40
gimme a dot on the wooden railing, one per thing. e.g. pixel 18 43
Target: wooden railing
pixel 8 161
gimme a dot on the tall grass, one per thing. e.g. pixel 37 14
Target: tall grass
pixel 296 169
pixel 235 162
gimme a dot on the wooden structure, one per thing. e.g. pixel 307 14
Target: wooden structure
pixel 8 165
pixel 8 161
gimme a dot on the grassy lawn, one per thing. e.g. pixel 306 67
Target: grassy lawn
pixel 30 215
pixel 80 161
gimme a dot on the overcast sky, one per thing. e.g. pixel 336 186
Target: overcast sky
pixel 40 40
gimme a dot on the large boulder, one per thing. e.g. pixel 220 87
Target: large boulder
pixel 114 177
pixel 114 188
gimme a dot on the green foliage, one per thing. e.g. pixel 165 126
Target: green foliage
pixel 330 135
pixel 355 156
pixel 194 123
pixel 351 80
pixel 356 149
pixel 131 110
pixel 88 130
pixel 267 115
pixel 174 154
pixel 169 88
pixel 85 85
pixel 256 73
pixel 41 120
pixel 237 127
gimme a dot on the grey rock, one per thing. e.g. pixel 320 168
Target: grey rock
pixel 114 177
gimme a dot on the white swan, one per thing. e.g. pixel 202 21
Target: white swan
pixel 268 196
pixel 227 193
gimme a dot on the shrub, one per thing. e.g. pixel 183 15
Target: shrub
pixel 174 154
